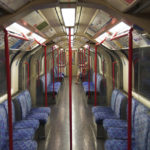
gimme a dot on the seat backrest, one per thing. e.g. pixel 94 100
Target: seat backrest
pixel 28 99
pixel 24 109
pixel 42 79
pixel 3 126
pixel 113 98
pixel 142 127
pixel 120 105
pixel 5 104
pixel 93 78
pixel 18 111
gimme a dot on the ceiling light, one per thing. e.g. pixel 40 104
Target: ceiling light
pixel 72 31
pixel 86 46
pixel 38 38
pixel 102 37
pixel 68 16
pixel 119 28
pixel 17 28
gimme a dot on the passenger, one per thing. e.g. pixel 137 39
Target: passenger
pixel 84 72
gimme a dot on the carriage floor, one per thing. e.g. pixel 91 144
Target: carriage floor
pixel 83 127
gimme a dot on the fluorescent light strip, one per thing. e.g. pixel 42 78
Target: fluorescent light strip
pixel 17 28
pixel 68 16
pixel 119 28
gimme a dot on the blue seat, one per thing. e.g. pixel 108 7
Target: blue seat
pixel 24 134
pixel 118 145
pixel 57 85
pixel 22 145
pixel 120 123
pixel 141 132
pixel 118 107
pixel 107 109
pixel 23 123
pixel 26 114
pixel 34 110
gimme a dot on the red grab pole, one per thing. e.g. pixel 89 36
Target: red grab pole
pixel 8 90
pixel 95 97
pixel 89 71
pixel 28 71
pixel 70 87
pixel 80 62
pixel 58 63
pixel 53 73
pixel 130 53
pixel 113 73
pixel 84 64
pixel 45 51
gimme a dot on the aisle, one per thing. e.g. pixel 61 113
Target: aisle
pixel 83 134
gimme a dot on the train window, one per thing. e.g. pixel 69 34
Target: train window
pixel 142 72
pixel 2 73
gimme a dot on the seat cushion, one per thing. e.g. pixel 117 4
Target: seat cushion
pixel 114 123
pixel 27 124
pixel 23 134
pixel 118 145
pixel 42 117
pixel 41 110
pixel 100 116
pixel 22 145
pixel 87 83
pixel 101 109
pixel 118 133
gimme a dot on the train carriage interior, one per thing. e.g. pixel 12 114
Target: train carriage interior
pixel 74 74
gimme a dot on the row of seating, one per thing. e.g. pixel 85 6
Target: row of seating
pixel 100 84
pixel 113 120
pixel 57 85
pixel 25 126
pixel 58 76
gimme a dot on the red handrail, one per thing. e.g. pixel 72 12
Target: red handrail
pixel 53 73
pixel 120 36
pixel 45 55
pixel 58 64
pixel 130 53
pixel 70 87
pixel 8 90
pixel 95 97
pixel 84 65
pixel 89 71
pixel 97 44
pixel 113 73
pixel 28 72
pixel 18 37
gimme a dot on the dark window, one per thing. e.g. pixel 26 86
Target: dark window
pixel 2 73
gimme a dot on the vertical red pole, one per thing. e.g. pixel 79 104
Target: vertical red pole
pixel 8 90
pixel 53 73
pixel 58 63
pixel 28 72
pixel 38 71
pixel 113 73
pixel 70 87
pixel 80 62
pixel 95 98
pixel 84 64
pixel 130 89
pixel 89 71
pixel 45 51
pixel 103 67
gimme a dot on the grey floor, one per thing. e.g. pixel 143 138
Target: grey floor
pixel 83 124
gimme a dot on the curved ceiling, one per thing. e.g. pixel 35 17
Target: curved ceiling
pixel 93 17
